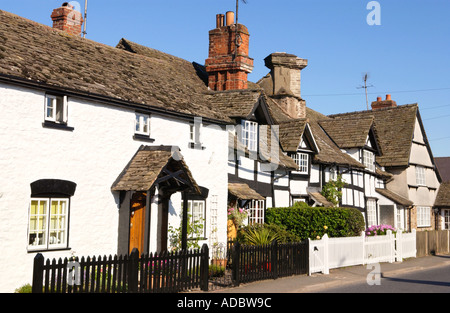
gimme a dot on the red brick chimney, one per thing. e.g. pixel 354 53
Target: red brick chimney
pixel 227 66
pixel 381 104
pixel 67 19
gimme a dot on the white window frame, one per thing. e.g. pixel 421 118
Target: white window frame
pixel 59 109
pixel 142 124
pixel 195 132
pixel 302 161
pixel 250 135
pixel 371 208
pixel 256 209
pixel 423 216
pixel 369 160
pixel 197 215
pixel 48 241
pixel 420 176
pixel 400 217
pixel 446 221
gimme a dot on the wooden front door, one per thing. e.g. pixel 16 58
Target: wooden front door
pixel 137 221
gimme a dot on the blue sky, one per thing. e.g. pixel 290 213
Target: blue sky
pixel 407 56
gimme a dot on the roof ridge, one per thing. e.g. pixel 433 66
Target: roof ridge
pixel 372 111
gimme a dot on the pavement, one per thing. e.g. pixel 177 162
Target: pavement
pixel 337 277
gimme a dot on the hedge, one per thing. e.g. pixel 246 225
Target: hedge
pixel 308 222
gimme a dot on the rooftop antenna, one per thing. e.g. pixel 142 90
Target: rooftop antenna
pixel 85 18
pixel 365 78
pixel 237 36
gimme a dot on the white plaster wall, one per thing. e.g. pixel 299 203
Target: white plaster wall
pixel 315 174
pixel 92 156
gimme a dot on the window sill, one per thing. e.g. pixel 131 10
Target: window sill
pixel 197 146
pixel 143 138
pixel 39 250
pixel 60 126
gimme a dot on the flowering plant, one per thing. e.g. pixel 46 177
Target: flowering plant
pixel 237 215
pixel 378 230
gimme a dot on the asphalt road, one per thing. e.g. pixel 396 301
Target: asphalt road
pixel 436 280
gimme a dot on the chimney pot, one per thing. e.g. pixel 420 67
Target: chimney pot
pixel 388 97
pixel 220 20
pixel 379 99
pixel 230 18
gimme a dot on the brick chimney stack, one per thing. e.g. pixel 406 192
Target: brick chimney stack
pixel 67 19
pixel 381 104
pixel 228 67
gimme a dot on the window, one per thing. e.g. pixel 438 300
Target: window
pixel 371 212
pixel 302 160
pixel 420 175
pixel 48 223
pixel 250 135
pixel 400 217
pixel 142 124
pixel 256 212
pixel 446 219
pixel 369 160
pixel 423 216
pixel 56 109
pixel 196 213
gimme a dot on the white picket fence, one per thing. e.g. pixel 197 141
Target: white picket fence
pixel 329 253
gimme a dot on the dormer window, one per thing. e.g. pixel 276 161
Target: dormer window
pixel 302 161
pixel 142 124
pixel 250 135
pixel 56 109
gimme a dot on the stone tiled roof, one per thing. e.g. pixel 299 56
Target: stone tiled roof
pixel 31 52
pixel 148 164
pixel 394 197
pixel 443 196
pixel 291 133
pixel 443 166
pixel 395 129
pixel 243 192
pixel 348 132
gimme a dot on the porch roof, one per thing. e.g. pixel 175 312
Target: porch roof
pixel 320 200
pixel 243 192
pixel 156 165
pixel 443 196
pixel 394 197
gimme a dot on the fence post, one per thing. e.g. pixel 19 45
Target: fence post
pixel 235 263
pixel 363 242
pixel 38 273
pixel 274 259
pixel 204 268
pixel 399 245
pixel 326 264
pixel 133 271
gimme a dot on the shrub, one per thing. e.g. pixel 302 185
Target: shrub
pixel 307 222
pixel 260 234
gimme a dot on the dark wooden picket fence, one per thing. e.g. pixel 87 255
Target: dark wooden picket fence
pixel 167 272
pixel 252 263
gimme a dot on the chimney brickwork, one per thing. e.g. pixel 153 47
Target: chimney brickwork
pixel 67 19
pixel 381 104
pixel 227 66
